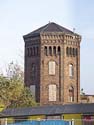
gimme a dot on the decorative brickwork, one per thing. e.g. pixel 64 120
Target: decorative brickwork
pixel 49 52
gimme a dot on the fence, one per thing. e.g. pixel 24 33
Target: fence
pixel 35 122
pixel 48 122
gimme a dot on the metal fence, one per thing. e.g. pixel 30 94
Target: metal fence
pixel 47 122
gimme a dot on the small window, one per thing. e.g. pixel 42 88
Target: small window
pixel 54 50
pixel 71 94
pixel 51 68
pixel 52 92
pixel 45 50
pixel 59 51
pixel 50 51
pixel 71 70
pixel 73 52
pixel 32 88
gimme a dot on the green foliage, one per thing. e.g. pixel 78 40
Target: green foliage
pixel 12 90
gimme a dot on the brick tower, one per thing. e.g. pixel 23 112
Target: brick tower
pixel 52 64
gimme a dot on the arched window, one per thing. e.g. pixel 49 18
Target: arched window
pixel 51 68
pixel 52 92
pixel 50 51
pixel 58 51
pixel 54 50
pixel 71 70
pixel 73 52
pixel 71 94
pixel 45 50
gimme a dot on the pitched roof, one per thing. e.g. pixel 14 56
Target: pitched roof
pixel 50 27
pixel 50 110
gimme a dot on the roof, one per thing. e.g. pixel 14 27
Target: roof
pixel 50 27
pixel 50 110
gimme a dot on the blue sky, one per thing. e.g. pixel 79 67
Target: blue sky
pixel 19 17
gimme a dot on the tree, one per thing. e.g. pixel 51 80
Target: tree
pixel 15 71
pixel 12 90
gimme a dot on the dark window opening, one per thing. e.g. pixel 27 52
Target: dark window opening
pixel 54 50
pixel 59 51
pixel 50 51
pixel 45 50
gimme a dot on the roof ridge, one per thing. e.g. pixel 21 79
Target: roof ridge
pixel 58 26
pixel 45 27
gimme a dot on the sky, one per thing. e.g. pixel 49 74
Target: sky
pixel 19 17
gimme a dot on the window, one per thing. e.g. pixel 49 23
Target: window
pixel 45 50
pixel 73 52
pixel 32 88
pixel 50 51
pixel 71 70
pixel 54 50
pixel 51 68
pixel 59 50
pixel 52 92
pixel 71 94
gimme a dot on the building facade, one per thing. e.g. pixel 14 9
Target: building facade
pixel 52 64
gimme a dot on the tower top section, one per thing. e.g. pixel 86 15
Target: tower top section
pixel 51 27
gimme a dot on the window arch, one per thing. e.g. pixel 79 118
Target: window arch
pixel 54 50
pixel 50 51
pixel 59 50
pixel 45 50
pixel 71 70
pixel 52 92
pixel 71 93
pixel 73 52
